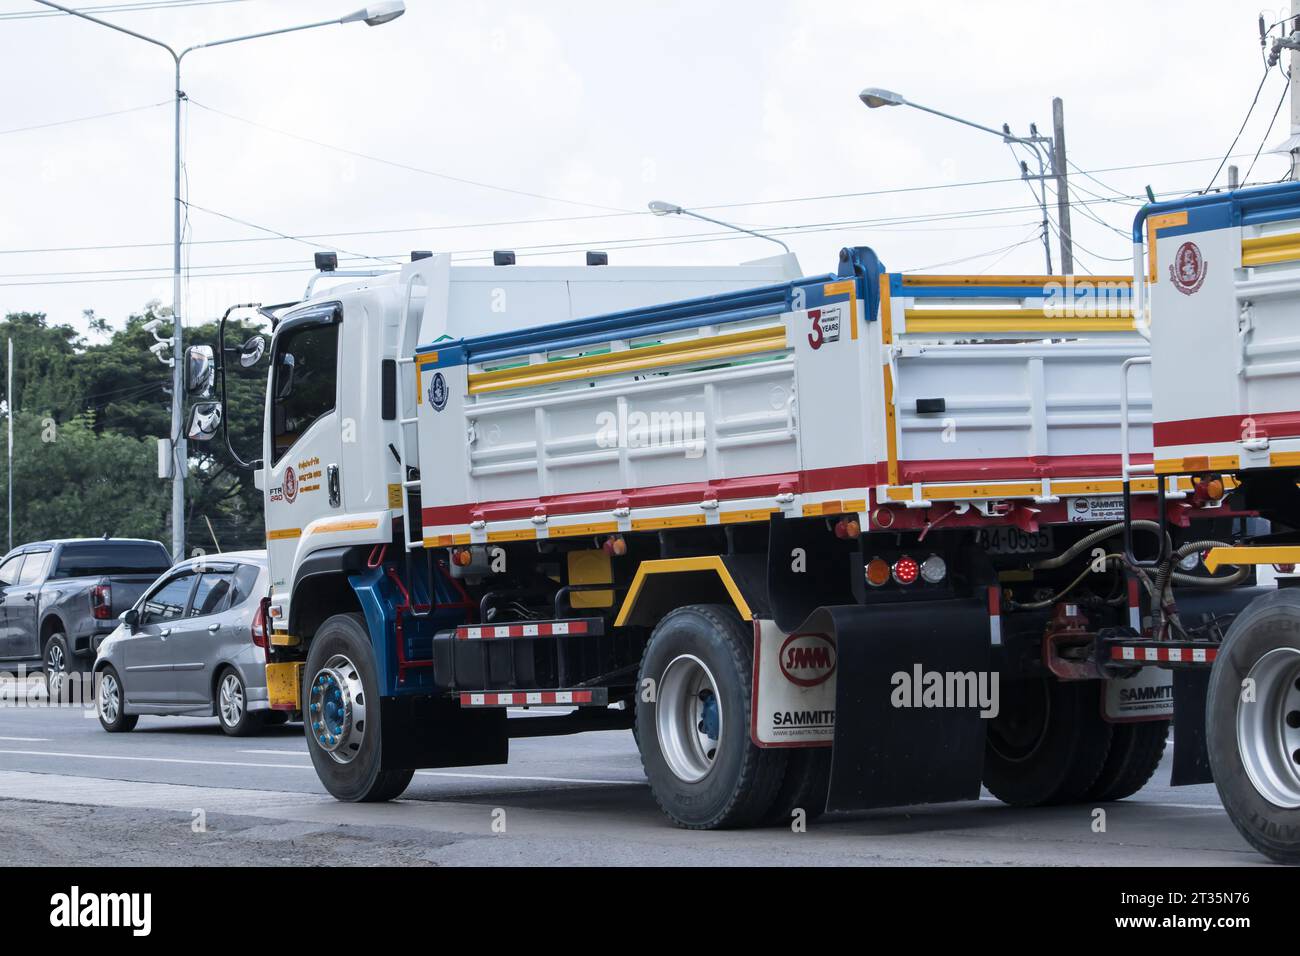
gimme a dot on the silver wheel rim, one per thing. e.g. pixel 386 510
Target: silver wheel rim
pixel 56 667
pixel 336 709
pixel 1268 728
pixel 231 700
pixel 688 718
pixel 110 698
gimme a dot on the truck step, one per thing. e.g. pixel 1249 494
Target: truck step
pixel 580 696
pixel 1164 652
pixel 486 632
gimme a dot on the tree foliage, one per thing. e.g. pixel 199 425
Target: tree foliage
pixel 88 416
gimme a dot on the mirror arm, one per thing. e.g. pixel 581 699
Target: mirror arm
pixel 221 371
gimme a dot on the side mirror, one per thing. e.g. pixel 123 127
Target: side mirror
pixel 251 352
pixel 205 419
pixel 198 370
pixel 131 618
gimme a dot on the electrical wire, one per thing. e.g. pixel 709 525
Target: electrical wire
pixel 83 119
pixel 1241 130
pixel 137 7
pixel 1269 132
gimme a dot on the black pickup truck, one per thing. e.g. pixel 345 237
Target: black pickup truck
pixel 59 599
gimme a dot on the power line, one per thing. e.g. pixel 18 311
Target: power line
pixel 406 166
pixel 1269 132
pixel 139 6
pixel 1242 129
pixel 84 119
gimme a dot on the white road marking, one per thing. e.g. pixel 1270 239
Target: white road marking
pixel 281 753
pixel 27 740
pixel 503 776
pixel 294 766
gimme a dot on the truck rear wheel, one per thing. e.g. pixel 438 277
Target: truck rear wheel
pixel 341 714
pixel 693 734
pixel 1135 753
pixel 805 786
pixel 1047 744
pixel 1253 725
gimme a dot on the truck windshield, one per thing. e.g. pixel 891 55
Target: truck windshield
pixel 305 370
pixel 94 558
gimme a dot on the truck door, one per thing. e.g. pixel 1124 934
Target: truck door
pixel 9 572
pixel 22 602
pixel 304 438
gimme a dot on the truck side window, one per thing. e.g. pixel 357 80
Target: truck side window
pixel 304 373
pixel 9 571
pixel 34 568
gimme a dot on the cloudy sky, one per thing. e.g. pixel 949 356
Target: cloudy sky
pixel 546 127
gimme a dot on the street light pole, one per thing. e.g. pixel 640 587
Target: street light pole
pixel 874 98
pixel 372 15
pixel 660 208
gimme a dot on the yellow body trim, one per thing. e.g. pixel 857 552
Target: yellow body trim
pixel 736 517
pixel 679 565
pixel 358 524
pixel 281 639
pixel 1177 466
pixel 596 527
pixel 1154 225
pixel 1028 489
pixel 420 362
pixel 283 682
pixel 767 339
pixel 524 534
pixel 849 288
pixel 1005 281
pixel 283 534
pixel 1269 249
pixel 891 423
pixel 1015 320
pixel 655 524
pixel 1280 554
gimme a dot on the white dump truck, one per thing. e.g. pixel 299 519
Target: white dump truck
pixel 821 542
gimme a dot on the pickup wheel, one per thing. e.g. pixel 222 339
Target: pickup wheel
pixel 341 714
pixel 110 704
pixel 1047 744
pixel 1253 725
pixel 58 665
pixel 232 706
pixel 704 771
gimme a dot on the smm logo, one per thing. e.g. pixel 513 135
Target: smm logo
pixel 74 908
pixel 807 659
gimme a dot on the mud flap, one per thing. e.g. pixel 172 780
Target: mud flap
pixel 886 754
pixel 422 732
pixel 1191 754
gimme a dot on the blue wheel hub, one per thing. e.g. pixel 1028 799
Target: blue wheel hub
pixel 336 713
pixel 710 719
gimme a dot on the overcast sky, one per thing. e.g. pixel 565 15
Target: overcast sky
pixel 595 108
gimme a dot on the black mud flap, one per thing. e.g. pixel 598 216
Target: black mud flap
pixel 888 755
pixel 1191 755
pixel 422 732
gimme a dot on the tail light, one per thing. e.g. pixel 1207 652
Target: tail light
pixel 906 570
pixel 101 602
pixel 877 572
pixel 259 625
pixel 933 569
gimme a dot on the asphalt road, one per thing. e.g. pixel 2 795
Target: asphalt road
pixel 177 791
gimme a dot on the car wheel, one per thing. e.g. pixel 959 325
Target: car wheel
pixel 232 706
pixel 111 704
pixel 58 664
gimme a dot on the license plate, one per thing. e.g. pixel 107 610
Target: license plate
pixel 1014 541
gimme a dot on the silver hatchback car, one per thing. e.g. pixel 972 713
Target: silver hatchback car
pixel 193 645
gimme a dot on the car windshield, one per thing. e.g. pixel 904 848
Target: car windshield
pixel 93 558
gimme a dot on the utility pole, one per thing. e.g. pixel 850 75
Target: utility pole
pixel 1295 96
pixel 9 401
pixel 1063 185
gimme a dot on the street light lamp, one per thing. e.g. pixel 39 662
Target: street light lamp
pixel 661 208
pixel 875 97
pixel 372 15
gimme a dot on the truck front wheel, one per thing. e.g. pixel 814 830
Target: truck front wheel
pixel 692 717
pixel 1253 725
pixel 341 714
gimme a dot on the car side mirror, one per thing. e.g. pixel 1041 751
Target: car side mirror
pixel 205 419
pixel 131 618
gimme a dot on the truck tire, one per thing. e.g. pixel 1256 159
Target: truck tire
pixel 1135 753
pixel 704 771
pixel 1254 744
pixel 341 716
pixel 110 704
pixel 1047 744
pixel 805 786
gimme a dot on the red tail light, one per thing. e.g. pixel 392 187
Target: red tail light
pixel 101 601
pixel 260 619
